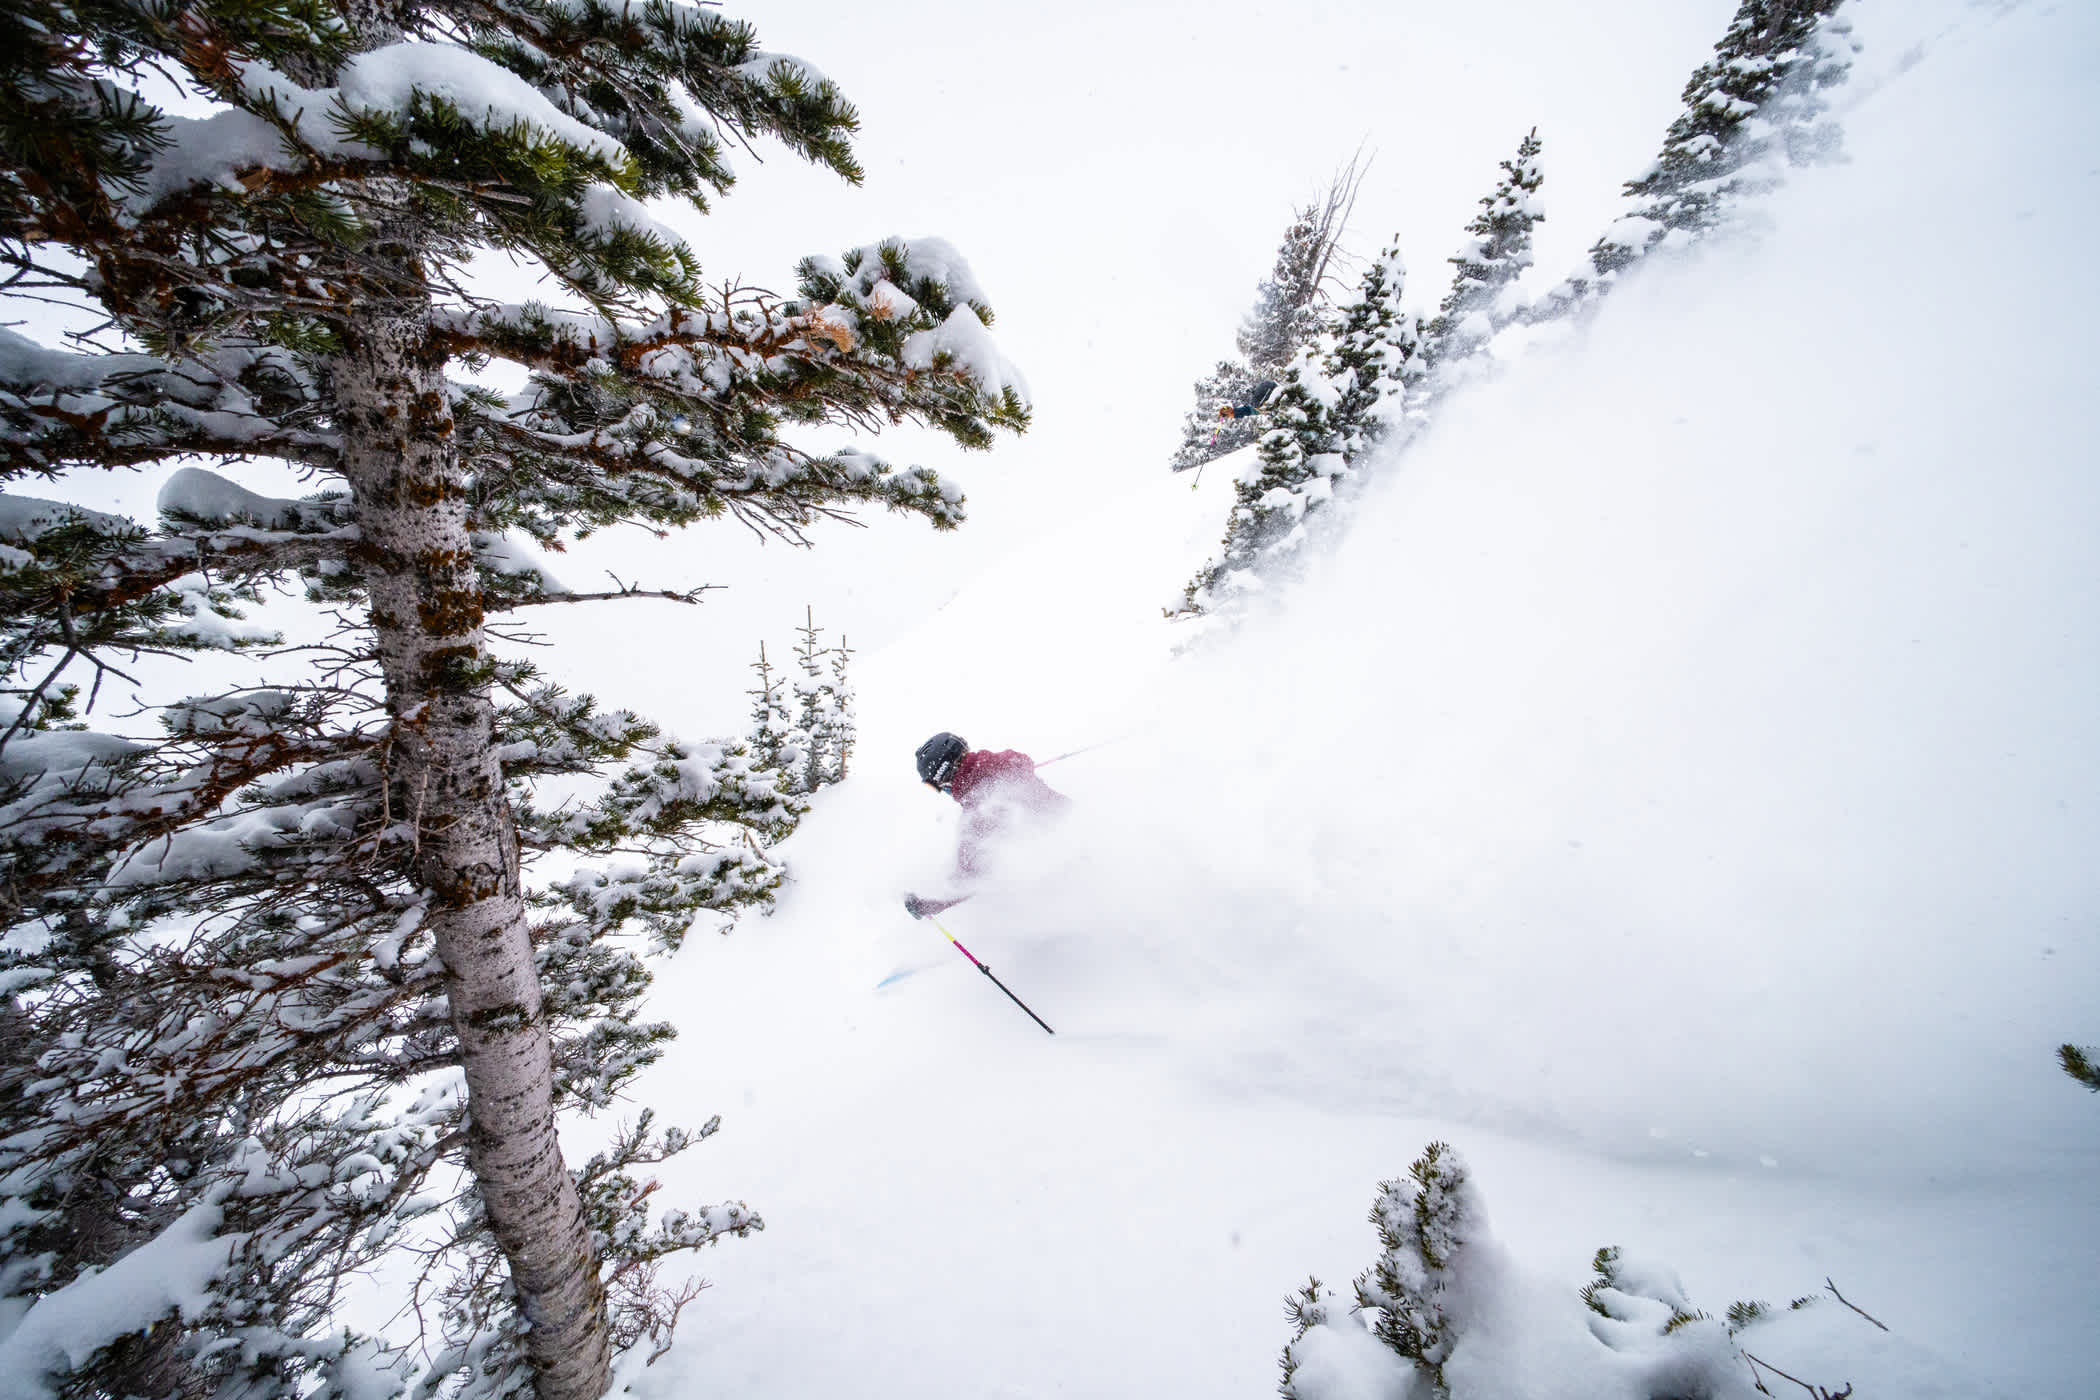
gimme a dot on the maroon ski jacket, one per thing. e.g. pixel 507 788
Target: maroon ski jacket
pixel 992 787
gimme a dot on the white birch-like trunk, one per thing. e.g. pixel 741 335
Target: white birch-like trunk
pixel 402 462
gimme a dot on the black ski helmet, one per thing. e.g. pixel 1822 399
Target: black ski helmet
pixel 938 757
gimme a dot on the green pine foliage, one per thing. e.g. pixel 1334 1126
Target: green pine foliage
pixel 1314 1305
pixel 1496 253
pixel 2082 1065
pixel 1423 1220
pixel 228 900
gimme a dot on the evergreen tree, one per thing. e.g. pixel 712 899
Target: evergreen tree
pixel 1286 317
pixel 276 964
pixel 844 729
pixel 1496 253
pixel 1336 400
pixel 822 736
pixel 1377 360
pixel 1759 99
pixel 770 721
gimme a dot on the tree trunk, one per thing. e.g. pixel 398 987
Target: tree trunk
pixel 402 462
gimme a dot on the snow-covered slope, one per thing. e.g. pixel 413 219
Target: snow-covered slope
pixel 1678 792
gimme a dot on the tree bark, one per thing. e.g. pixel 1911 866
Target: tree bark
pixel 401 459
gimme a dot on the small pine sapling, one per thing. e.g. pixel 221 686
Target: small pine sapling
pixel 1423 1220
pixel 845 728
pixel 770 723
pixel 823 731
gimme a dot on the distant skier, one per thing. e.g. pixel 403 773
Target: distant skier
pixel 998 791
pixel 1255 399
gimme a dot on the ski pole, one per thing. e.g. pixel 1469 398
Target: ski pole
pixel 1074 753
pixel 995 981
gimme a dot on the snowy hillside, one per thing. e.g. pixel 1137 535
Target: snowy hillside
pixel 1678 793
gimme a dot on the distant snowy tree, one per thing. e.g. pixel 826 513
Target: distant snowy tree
pixel 1286 317
pixel 1758 101
pixel 771 720
pixel 844 727
pixel 822 736
pixel 1286 314
pixel 1336 400
pixel 1496 253
pixel 1376 360
pixel 1433 1318
pixel 275 962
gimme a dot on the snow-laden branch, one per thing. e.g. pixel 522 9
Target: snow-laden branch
pixel 59 409
pixel 291 126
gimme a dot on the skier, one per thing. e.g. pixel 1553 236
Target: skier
pixel 1255 399
pixel 996 789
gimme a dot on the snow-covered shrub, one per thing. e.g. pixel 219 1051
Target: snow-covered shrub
pixel 1443 1315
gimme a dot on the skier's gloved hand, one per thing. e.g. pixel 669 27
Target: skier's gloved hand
pixel 915 906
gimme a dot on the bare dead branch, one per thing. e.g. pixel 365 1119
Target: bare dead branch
pixel 1816 1390
pixel 622 590
pixel 1850 1304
